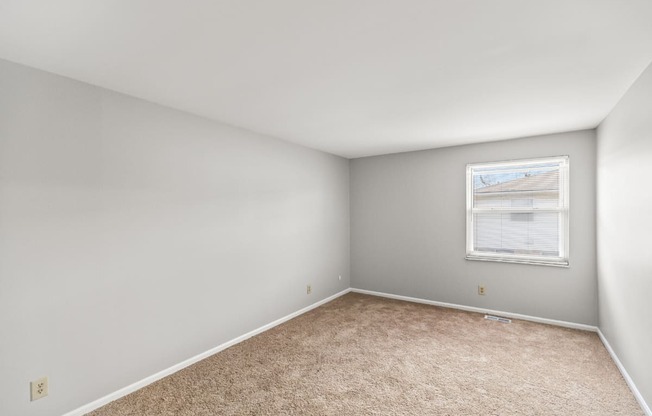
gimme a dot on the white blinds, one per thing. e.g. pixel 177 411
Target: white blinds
pixel 518 211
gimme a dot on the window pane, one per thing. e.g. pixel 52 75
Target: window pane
pixel 517 233
pixel 522 187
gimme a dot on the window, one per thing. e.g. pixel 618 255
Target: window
pixel 517 211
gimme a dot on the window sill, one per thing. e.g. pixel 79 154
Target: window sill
pixel 535 262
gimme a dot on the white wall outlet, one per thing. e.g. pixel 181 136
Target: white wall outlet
pixel 481 290
pixel 39 388
pixel 308 289
pixel 340 277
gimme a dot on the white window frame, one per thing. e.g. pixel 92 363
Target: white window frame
pixel 562 209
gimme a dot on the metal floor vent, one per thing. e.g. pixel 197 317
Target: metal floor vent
pixel 498 319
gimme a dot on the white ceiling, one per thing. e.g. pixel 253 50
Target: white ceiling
pixel 350 77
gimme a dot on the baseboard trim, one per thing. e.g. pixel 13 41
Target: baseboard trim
pixel 171 370
pixel 80 411
pixel 614 357
pixel 625 374
pixel 565 324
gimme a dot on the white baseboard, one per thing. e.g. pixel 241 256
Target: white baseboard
pixel 480 310
pixel 628 379
pixel 164 373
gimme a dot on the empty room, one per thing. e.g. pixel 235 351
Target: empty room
pixel 328 207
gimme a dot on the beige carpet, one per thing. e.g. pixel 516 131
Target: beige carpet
pixel 364 355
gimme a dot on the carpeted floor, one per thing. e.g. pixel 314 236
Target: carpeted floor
pixel 364 355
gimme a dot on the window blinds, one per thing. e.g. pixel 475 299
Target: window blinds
pixel 518 211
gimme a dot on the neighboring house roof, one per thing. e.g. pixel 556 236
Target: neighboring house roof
pixel 548 181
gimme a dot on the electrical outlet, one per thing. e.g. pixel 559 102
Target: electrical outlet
pixel 39 388
pixel 308 289
pixel 340 277
pixel 481 290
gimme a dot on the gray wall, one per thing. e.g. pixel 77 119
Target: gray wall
pixel 624 230
pixel 133 236
pixel 408 231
